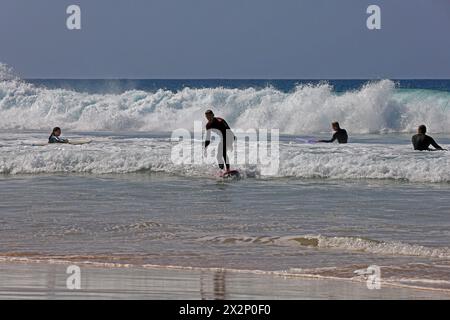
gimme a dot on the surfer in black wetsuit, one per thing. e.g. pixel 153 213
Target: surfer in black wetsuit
pixel 340 134
pixel 55 137
pixel 226 138
pixel 422 142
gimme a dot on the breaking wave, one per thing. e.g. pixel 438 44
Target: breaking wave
pixel 352 244
pixel 377 107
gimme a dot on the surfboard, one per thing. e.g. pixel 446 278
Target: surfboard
pixel 75 142
pixel 79 141
pixel 232 174
pixel 309 141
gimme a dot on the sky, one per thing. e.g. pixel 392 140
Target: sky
pixel 251 39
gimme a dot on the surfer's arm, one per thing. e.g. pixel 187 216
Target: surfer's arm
pixel 329 141
pixel 208 137
pixel 435 145
pixel 62 140
pixel 54 139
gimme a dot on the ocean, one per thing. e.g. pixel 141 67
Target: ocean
pixel 329 211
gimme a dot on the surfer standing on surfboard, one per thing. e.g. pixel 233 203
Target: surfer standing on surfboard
pixel 55 137
pixel 227 138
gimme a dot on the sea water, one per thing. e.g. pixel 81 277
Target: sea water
pixel 330 209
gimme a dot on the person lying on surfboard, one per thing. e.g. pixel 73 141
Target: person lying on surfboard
pixel 339 134
pixel 227 138
pixel 55 137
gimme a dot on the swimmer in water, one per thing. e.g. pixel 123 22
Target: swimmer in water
pixel 55 137
pixel 421 141
pixel 339 134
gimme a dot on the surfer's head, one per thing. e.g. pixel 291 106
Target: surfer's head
pixel 335 125
pixel 422 129
pixel 209 115
pixel 56 131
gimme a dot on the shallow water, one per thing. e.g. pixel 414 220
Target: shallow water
pixel 60 206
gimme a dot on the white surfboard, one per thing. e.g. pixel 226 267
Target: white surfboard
pixel 79 141
pixel 71 141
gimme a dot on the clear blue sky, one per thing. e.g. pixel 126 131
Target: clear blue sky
pixel 226 39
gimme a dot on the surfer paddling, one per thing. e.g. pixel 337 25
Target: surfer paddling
pixel 421 141
pixel 55 137
pixel 227 138
pixel 339 134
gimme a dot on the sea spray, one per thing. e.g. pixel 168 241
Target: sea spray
pixel 377 107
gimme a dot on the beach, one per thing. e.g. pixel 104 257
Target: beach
pixel 48 281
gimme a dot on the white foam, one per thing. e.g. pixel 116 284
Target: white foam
pixel 7 73
pixel 364 161
pixel 393 248
pixel 298 161
pixel 377 107
pixel 351 244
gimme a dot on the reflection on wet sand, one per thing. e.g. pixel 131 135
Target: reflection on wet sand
pixel 47 281
pixel 215 290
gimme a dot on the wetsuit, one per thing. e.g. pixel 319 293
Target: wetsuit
pixel 341 136
pixel 422 142
pixel 226 141
pixel 55 139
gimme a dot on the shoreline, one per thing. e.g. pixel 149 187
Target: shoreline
pixel 43 280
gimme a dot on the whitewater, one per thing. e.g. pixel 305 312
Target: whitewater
pixel 376 107
pixel 131 128
pixel 124 155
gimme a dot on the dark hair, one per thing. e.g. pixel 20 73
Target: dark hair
pixel 209 112
pixel 54 130
pixel 335 124
pixel 422 129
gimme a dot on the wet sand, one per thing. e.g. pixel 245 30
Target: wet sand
pixel 48 281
